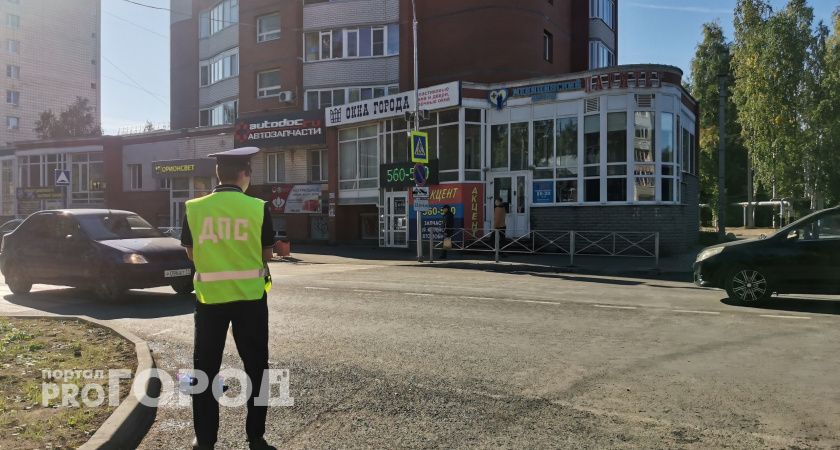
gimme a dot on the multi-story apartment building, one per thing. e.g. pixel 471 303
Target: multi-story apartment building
pixel 51 56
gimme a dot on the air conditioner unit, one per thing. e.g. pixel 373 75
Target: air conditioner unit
pixel 286 96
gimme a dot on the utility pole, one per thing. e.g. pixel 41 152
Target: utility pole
pixel 417 123
pixel 722 160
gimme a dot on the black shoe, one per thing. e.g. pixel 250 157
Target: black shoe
pixel 260 444
pixel 197 446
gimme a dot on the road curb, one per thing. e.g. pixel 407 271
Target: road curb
pixel 128 424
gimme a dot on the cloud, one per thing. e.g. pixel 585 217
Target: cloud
pixel 689 9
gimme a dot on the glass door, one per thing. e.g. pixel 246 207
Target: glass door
pixel 396 219
pixel 512 188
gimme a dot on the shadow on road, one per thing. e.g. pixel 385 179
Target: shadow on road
pixel 795 304
pixel 134 304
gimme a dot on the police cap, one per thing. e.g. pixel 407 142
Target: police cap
pixel 238 156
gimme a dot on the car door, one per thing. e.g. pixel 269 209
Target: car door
pixel 29 250
pixel 811 260
pixel 62 251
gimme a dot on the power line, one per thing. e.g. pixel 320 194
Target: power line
pixel 137 25
pixel 160 99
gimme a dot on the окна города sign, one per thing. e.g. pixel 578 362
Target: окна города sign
pixel 296 199
pixel 430 98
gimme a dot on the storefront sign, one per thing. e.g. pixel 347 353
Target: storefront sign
pixel 401 175
pixel 623 80
pixel 184 168
pixel 538 92
pixel 299 128
pixel 39 193
pixel 466 200
pixel 430 98
pixel 543 192
pixel 295 199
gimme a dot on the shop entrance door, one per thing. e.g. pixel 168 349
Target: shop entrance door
pixel 396 219
pixel 512 188
pixel 181 190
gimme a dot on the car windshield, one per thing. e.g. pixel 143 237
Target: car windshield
pixel 117 226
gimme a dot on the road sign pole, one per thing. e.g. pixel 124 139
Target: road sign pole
pixel 419 237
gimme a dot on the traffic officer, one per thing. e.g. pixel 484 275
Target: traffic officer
pixel 234 240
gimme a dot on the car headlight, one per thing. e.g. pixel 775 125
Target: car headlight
pixel 709 252
pixel 134 258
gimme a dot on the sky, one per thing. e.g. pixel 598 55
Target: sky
pixel 135 48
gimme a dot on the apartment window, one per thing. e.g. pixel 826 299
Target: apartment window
pixel 324 98
pixel 13 98
pixel 204 74
pixel 358 150
pixel 360 42
pixel 268 27
pixel 204 24
pixel 136 176
pixel 276 167
pixel 13 71
pixel 220 67
pixel 602 9
pixel 223 15
pixel 13 45
pixel 221 114
pixel 12 20
pixel 318 164
pixel 548 46
pixel 12 123
pixel 600 55
pixel 268 84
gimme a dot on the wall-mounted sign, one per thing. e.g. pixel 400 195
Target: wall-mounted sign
pixel 466 201
pixel 401 175
pixel 537 92
pixel 184 168
pixel 430 98
pixel 543 192
pixel 39 193
pixel 296 199
pixel 298 128
pixel 623 80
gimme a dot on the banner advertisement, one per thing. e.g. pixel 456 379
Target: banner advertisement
pixel 430 98
pixel 39 193
pixel 296 199
pixel 298 128
pixel 466 201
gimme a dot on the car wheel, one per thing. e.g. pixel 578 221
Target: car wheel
pixel 108 290
pixel 183 287
pixel 17 284
pixel 747 286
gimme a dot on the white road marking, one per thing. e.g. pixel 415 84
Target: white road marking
pixel 365 291
pixel 161 332
pixel 690 311
pixel 784 317
pixel 476 298
pixel 419 294
pixel 317 288
pixel 615 307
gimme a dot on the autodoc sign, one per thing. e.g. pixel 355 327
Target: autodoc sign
pixel 430 98
pixel 300 128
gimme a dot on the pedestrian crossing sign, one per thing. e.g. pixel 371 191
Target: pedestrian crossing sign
pixel 419 147
pixel 62 177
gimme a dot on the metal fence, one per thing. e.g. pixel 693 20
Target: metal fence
pixel 557 242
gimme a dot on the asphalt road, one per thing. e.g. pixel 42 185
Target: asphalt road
pixel 383 354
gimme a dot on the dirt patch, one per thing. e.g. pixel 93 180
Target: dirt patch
pixel 31 347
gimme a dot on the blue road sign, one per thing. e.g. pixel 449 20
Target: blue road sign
pixel 62 177
pixel 419 147
pixel 420 174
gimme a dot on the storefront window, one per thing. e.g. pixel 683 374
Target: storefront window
pixel 358 157
pixel 448 152
pixel 87 178
pixel 519 146
pixel 668 168
pixel 7 187
pixel 592 158
pixel 472 151
pixel 544 144
pixel 499 146
pixel 643 150
pixel 566 136
pixel 617 157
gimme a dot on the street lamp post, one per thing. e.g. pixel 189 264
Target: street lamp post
pixel 722 159
pixel 417 122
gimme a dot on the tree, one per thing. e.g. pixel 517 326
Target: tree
pixel 148 127
pixel 76 121
pixel 825 98
pixel 712 58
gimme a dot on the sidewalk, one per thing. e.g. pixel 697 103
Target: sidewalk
pixel 675 267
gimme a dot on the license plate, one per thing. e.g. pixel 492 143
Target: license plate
pixel 176 273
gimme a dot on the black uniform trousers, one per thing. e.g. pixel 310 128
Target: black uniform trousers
pixel 250 332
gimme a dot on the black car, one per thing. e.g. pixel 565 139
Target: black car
pixel 8 227
pixel 107 251
pixel 802 258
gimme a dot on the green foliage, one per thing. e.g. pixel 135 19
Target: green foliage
pixel 76 121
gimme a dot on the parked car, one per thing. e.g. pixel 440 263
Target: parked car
pixel 8 227
pixel 802 258
pixel 107 251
